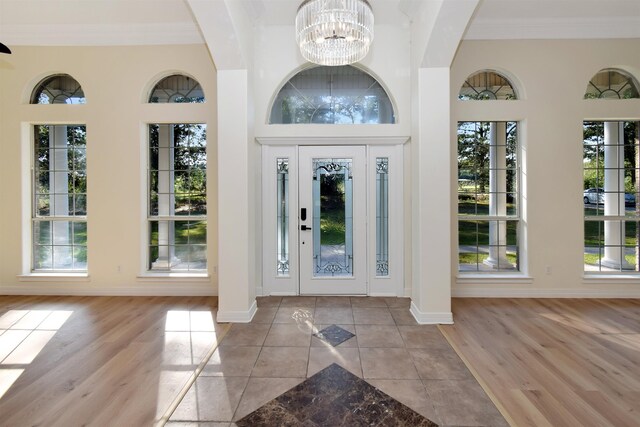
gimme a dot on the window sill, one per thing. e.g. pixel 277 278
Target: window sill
pixel 174 277
pixel 507 278
pixel 54 277
pixel 604 278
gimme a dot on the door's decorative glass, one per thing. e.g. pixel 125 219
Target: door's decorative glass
pixel 282 215
pixel 382 216
pixel 332 217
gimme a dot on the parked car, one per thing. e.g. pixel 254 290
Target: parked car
pixel 594 196
pixel 629 199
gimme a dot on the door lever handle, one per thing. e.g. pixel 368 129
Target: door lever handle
pixel 304 227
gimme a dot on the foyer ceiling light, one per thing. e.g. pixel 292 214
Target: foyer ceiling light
pixel 334 32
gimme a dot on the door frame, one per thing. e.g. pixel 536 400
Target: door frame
pixel 399 226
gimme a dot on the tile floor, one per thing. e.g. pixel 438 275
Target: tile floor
pixel 259 361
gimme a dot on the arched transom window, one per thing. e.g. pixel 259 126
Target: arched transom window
pixel 487 85
pixel 58 89
pixel 612 84
pixel 177 88
pixel 332 95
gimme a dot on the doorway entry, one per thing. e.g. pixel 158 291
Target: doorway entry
pixel 332 219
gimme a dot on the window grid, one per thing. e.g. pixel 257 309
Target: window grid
pixel 611 173
pixel 177 198
pixel 488 197
pixel 58 222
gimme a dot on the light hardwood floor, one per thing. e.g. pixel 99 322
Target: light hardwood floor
pixel 99 360
pixel 554 362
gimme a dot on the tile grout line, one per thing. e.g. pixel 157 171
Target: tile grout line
pixel 192 379
pixel 503 411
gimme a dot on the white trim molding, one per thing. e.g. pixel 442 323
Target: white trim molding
pixel 237 316
pixel 431 318
pixel 513 292
pixel 330 140
pixel 82 289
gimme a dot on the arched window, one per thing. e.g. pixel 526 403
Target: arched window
pixel 177 88
pixel 487 85
pixel 612 84
pixel 332 95
pixel 58 89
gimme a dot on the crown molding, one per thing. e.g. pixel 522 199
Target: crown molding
pixel 554 28
pixel 102 34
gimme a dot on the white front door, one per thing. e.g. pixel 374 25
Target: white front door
pixel 332 220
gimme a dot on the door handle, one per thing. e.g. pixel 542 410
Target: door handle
pixel 304 227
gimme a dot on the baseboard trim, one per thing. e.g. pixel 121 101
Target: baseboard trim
pixel 502 292
pixel 237 316
pixel 431 318
pixel 83 290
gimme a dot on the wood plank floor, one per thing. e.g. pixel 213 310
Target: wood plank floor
pixel 99 360
pixel 554 362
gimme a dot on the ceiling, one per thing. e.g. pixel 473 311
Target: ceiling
pixel 122 22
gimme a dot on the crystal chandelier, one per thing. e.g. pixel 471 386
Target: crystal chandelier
pixel 334 32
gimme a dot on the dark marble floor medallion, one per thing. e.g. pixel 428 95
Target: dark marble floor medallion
pixel 334 335
pixel 334 397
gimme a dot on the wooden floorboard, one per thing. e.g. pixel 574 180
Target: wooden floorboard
pixel 555 362
pixel 100 360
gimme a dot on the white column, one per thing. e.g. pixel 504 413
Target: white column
pixel 59 190
pixel 166 198
pixel 432 152
pixel 498 195
pixel 614 232
pixel 236 293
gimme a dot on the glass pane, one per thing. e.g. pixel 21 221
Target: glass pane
pixel 42 257
pixel 282 217
pixel 177 89
pixel 382 216
pixel 611 246
pixel 177 245
pixel 488 245
pixel 58 89
pixel 332 217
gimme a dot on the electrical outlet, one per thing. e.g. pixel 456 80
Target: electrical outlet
pixel 548 270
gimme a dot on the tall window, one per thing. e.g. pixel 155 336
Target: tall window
pixel 488 196
pixel 177 197
pixel 332 95
pixel 59 218
pixel 611 212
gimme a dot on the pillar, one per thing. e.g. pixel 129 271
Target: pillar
pixel 166 199
pixel 60 198
pixel 498 195
pixel 614 231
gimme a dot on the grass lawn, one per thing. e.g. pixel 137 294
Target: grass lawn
pixel 332 226
pixel 594 259
pixel 472 232
pixel 472 258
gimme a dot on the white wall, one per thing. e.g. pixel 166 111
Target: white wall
pixel 552 77
pixel 116 81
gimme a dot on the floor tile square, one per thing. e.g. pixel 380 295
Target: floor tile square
pixel 435 364
pixel 289 335
pixel 368 302
pixel 231 361
pixel 309 302
pixel 387 364
pixel 264 315
pixel 449 397
pixel 246 334
pixel 423 336
pixel 282 362
pixel 408 392
pixel 294 315
pixel 347 357
pixel 398 302
pixel 261 390
pixel 270 301
pixel 378 336
pixel 333 302
pixel 372 316
pixel 352 342
pixel 403 317
pixel 334 335
pixel 333 315
pixel 211 399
